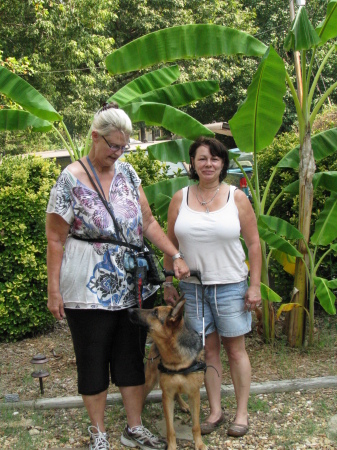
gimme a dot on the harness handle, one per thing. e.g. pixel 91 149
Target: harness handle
pixel 197 274
pixel 193 273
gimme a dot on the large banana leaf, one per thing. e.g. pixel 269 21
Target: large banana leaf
pixel 326 180
pixel 146 83
pixel 172 151
pixel 180 94
pixel 325 226
pixel 269 294
pixel 323 144
pixel 271 230
pixel 182 42
pixel 168 117
pixel 162 204
pixel 166 187
pixel 280 227
pixel 277 242
pixel 14 119
pixel 26 96
pixel 288 262
pixel 260 116
pixel 332 284
pixel 302 35
pixel 327 29
pixel 325 296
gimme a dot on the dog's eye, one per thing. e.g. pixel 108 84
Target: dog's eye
pixel 155 313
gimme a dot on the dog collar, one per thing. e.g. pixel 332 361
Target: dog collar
pixel 196 366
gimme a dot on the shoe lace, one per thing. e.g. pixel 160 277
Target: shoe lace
pixel 145 432
pixel 101 441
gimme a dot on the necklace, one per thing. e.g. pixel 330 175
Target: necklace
pixel 202 201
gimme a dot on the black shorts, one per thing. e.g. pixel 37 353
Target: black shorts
pixel 106 342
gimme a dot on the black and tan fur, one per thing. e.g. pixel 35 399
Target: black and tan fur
pixel 178 348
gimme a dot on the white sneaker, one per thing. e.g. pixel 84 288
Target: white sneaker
pixel 98 440
pixel 143 438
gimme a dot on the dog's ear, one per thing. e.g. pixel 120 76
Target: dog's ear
pixel 178 310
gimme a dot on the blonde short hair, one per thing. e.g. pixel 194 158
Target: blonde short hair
pixel 111 118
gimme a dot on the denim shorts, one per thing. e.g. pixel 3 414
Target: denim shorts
pixel 224 308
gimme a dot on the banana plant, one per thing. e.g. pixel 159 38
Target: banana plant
pixel 150 99
pixel 325 235
pixel 258 119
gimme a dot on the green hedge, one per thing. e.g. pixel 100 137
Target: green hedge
pixel 25 184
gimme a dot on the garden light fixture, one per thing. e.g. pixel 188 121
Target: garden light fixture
pixel 39 363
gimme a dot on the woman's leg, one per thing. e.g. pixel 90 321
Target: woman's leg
pixel 133 397
pixel 95 405
pixel 241 374
pixel 213 376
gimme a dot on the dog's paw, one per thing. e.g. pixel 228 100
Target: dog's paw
pixel 201 446
pixel 183 406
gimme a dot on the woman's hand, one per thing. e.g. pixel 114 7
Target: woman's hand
pixel 55 305
pixel 252 298
pixel 170 295
pixel 181 269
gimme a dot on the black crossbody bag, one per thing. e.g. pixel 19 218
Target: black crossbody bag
pixel 141 262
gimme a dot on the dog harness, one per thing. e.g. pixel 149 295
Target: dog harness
pixel 196 366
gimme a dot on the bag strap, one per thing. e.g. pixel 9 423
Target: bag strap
pixel 108 241
pixel 105 203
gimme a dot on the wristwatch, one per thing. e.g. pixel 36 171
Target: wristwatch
pixel 177 255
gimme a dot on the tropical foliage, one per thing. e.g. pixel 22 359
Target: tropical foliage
pixel 157 98
pixel 255 124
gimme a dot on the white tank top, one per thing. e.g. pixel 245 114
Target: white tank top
pixel 211 243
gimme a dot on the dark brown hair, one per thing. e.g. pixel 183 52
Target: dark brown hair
pixel 216 148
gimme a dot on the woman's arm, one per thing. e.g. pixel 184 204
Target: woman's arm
pixel 57 230
pixel 153 232
pixel 170 293
pixel 251 237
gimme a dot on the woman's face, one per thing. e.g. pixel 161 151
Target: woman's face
pixel 109 148
pixel 207 166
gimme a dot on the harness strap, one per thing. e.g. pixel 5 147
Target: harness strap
pixel 196 366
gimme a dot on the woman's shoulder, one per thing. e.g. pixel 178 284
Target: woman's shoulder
pixel 128 171
pixel 66 177
pixel 74 169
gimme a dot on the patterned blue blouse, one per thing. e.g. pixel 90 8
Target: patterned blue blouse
pixel 92 274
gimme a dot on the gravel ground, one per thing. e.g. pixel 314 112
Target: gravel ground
pixel 292 420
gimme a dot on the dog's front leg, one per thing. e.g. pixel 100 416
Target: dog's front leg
pixel 151 371
pixel 194 402
pixel 168 406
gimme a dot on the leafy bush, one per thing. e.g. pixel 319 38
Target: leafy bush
pixel 149 171
pixel 25 184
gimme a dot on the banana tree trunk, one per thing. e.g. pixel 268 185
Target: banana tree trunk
pixel 306 172
pixel 267 312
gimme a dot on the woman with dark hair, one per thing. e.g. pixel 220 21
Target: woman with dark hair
pixel 205 222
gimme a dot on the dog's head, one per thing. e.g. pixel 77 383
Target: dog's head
pixel 161 320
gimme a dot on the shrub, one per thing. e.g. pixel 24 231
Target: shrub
pixel 149 171
pixel 25 184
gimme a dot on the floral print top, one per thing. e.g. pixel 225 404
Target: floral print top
pixel 92 274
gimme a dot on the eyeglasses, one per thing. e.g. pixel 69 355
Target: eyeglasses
pixel 115 147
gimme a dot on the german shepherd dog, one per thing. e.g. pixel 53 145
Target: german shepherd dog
pixel 180 368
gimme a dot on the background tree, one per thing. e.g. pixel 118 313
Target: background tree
pixel 61 47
